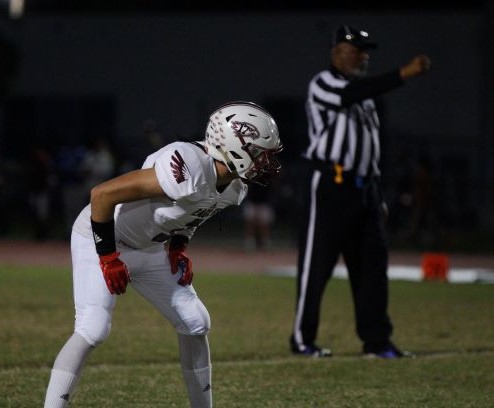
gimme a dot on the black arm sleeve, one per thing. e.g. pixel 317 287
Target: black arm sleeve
pixel 370 87
pixel 104 237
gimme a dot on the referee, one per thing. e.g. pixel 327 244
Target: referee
pixel 345 212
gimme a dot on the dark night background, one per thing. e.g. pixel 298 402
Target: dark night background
pixel 74 71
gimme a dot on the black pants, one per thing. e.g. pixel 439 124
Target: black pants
pixel 344 219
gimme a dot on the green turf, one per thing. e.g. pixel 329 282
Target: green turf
pixel 450 327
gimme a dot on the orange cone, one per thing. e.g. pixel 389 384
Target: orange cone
pixel 435 266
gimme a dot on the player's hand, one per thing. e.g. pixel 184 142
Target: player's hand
pixel 115 273
pixel 180 262
pixel 417 66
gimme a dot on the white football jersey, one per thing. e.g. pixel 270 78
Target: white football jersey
pixel 188 177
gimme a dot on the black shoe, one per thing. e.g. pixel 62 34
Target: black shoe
pixel 311 351
pixel 387 351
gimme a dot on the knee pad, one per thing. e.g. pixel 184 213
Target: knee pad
pixel 93 323
pixel 194 321
pixel 201 328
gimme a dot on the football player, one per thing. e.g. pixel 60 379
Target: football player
pixel 136 230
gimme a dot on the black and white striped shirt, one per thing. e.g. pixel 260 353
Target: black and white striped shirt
pixel 343 121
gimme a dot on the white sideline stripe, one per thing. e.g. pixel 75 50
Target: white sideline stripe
pixel 351 357
pixel 269 361
pixel 400 272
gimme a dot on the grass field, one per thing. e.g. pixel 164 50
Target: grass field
pixel 449 327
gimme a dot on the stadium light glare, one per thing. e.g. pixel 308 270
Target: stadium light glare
pixel 16 8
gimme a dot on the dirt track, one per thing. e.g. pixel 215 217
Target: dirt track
pixel 212 258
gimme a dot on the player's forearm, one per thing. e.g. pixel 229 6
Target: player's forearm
pixel 102 204
pixel 133 186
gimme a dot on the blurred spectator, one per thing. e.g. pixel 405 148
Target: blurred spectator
pixel 98 164
pixel 80 168
pixel 131 157
pixel 41 181
pixel 259 215
pixel 69 164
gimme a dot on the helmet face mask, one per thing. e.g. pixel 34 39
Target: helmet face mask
pixel 244 137
pixel 264 165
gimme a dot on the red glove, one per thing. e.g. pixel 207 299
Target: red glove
pixel 179 262
pixel 115 273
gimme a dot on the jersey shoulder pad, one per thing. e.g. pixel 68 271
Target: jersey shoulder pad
pixel 180 169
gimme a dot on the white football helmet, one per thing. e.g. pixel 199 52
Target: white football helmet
pixel 244 137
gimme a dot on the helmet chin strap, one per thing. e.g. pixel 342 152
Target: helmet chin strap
pixel 223 174
pixel 229 165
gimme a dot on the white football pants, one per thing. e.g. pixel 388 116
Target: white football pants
pixel 150 276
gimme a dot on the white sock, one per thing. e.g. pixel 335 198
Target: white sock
pixel 61 385
pixel 198 384
pixel 66 371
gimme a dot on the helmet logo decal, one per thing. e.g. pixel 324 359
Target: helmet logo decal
pixel 178 167
pixel 245 129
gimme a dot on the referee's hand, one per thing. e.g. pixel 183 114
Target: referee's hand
pixel 419 65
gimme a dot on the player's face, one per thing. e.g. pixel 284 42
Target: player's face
pixel 351 61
